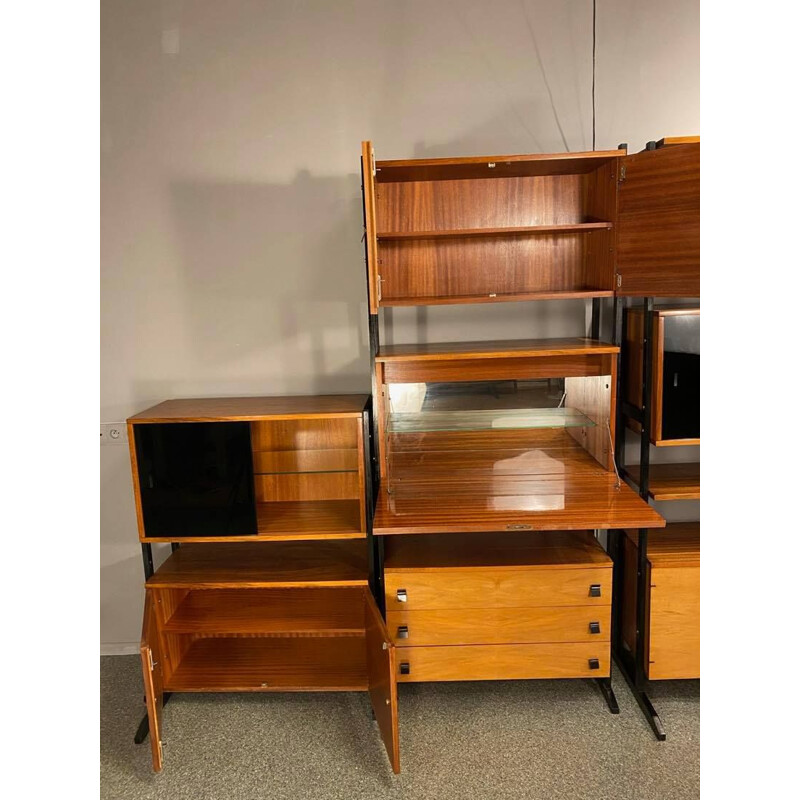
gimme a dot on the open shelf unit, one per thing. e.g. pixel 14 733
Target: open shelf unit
pixel 670 481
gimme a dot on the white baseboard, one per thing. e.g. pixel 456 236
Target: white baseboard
pixel 119 649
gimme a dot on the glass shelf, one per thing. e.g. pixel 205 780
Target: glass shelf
pixel 479 420
pixel 282 462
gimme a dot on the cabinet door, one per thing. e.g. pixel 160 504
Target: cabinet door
pixel 370 229
pixel 658 223
pixel 381 680
pixel 150 649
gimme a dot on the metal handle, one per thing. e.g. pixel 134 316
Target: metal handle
pixel 402 631
pixel 594 590
pixel 594 663
pixel 594 627
pixel 405 668
pixel 402 596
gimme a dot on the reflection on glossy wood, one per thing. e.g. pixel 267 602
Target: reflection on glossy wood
pixel 280 564
pixel 296 461
pixel 469 233
pixel 499 625
pixel 304 434
pixel 495 662
pixel 308 486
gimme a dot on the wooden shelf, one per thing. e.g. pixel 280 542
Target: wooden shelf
pixel 270 612
pixel 467 233
pixel 678 545
pixel 436 169
pixel 264 665
pixel 280 462
pixel 497 298
pixel 507 348
pixel 671 481
pixel 252 565
pixel 504 551
pixel 222 409
pixel 309 519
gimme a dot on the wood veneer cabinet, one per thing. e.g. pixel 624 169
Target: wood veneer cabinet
pixel 672 634
pixel 276 597
pixel 524 227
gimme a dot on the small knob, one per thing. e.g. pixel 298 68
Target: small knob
pixel 594 627
pixel 405 668
pixel 594 663
pixel 402 596
pixel 594 590
pixel 402 631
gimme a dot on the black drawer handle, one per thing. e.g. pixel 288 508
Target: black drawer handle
pixel 594 627
pixel 402 632
pixel 405 668
pixel 594 590
pixel 594 663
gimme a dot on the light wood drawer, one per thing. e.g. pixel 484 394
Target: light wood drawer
pixel 498 589
pixel 492 662
pixel 674 623
pixel 500 625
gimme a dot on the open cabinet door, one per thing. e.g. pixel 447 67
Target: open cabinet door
pixel 370 230
pixel 150 649
pixel 658 221
pixel 381 680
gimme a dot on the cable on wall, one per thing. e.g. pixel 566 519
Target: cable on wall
pixel 594 70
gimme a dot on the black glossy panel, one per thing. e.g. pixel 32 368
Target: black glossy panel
pixel 196 479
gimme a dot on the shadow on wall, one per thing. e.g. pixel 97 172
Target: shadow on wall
pixel 273 276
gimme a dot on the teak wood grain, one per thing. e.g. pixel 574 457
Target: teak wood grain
pixel 255 565
pixel 499 625
pixel 368 193
pixel 494 551
pixel 495 662
pixel 324 612
pixel 521 230
pixel 280 462
pixel 221 409
pixel 308 486
pixel 257 664
pixel 381 668
pixel 658 223
pixel 517 348
pixel 304 434
pixel 523 588
pixel 152 672
pixel 513 297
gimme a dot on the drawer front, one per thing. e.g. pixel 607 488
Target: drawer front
pixel 674 623
pixel 500 625
pixel 498 589
pixel 493 662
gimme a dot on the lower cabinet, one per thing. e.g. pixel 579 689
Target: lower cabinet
pixel 485 607
pixel 267 639
pixel 672 604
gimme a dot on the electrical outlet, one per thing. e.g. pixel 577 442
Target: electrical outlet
pixel 113 433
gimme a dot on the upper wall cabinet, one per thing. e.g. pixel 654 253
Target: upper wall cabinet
pixel 502 228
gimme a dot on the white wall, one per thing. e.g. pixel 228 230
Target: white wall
pixel 231 207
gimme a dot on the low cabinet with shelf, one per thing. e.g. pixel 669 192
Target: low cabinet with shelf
pixel 269 588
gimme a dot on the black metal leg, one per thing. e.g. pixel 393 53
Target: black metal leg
pixel 649 711
pixel 608 693
pixel 144 725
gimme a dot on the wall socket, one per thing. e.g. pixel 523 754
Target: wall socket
pixel 113 433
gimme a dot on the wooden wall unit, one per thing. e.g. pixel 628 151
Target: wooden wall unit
pixel 672 638
pixel 504 228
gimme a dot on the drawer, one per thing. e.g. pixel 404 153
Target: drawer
pixel 492 662
pixel 500 625
pixel 498 588
pixel 674 650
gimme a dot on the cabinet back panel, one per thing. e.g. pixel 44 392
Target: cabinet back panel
pixel 308 486
pixel 495 203
pixel 304 434
pixel 469 267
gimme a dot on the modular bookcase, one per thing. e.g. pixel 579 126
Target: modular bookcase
pixel 496 458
